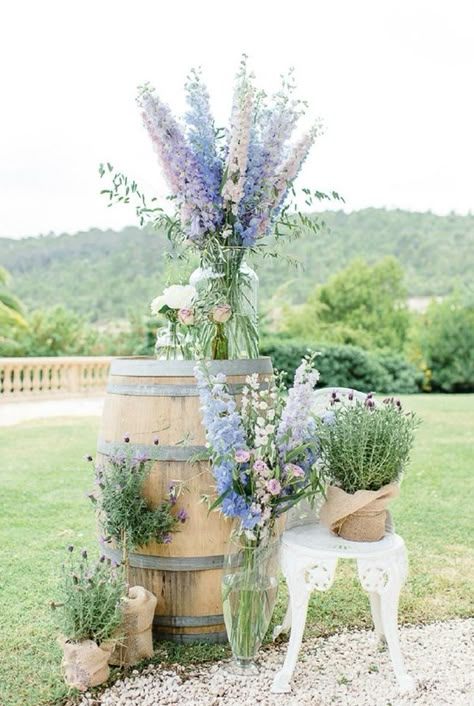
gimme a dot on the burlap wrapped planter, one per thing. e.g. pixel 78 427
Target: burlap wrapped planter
pixel 85 663
pixel 359 517
pixel 137 643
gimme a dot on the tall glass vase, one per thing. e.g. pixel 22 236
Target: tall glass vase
pixel 249 592
pixel 225 278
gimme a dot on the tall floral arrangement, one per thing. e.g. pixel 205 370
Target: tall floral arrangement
pixel 263 458
pixel 229 187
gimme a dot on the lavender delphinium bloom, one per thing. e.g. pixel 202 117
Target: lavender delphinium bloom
pixel 268 149
pixel 296 424
pixel 201 135
pixel 180 166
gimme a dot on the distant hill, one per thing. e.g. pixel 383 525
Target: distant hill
pixel 104 275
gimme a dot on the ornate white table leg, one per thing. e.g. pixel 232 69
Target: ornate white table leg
pixel 385 577
pixel 286 625
pixel 374 599
pixel 302 577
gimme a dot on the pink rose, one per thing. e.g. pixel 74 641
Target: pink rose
pixel 294 471
pixel 242 456
pixel 186 317
pixel 273 486
pixel 221 313
pixel 260 466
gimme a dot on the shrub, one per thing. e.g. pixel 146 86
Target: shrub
pixel 346 366
pixel 405 378
pixel 447 344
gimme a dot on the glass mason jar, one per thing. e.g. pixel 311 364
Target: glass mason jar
pixel 227 279
pixel 170 344
pixel 249 592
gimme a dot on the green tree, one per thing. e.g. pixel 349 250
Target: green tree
pixel 53 332
pixel 447 343
pixel 362 305
pixel 12 320
pixel 11 309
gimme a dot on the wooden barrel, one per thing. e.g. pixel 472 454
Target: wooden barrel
pixel 148 398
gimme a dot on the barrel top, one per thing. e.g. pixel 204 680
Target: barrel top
pixel 150 367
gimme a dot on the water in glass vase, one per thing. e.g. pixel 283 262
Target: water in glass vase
pixel 247 614
pixel 249 591
pixel 231 281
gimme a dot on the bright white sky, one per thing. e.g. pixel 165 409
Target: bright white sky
pixel 392 80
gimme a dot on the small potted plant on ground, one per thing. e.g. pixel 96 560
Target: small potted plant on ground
pixel 89 611
pixel 128 520
pixel 364 449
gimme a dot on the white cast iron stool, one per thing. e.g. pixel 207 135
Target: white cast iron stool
pixel 309 559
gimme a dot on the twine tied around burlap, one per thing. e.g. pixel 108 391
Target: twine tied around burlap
pixel 359 516
pixel 85 663
pixel 136 628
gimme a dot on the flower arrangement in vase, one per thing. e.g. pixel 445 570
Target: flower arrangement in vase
pixel 175 304
pixel 230 189
pixel 127 519
pixel 264 461
pixel 364 447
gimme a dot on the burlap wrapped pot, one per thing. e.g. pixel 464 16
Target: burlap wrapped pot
pixel 136 628
pixel 85 663
pixel 360 516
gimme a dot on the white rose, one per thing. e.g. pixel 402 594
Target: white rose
pixel 157 304
pixel 179 296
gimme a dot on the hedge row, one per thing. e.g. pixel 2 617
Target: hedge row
pixel 347 366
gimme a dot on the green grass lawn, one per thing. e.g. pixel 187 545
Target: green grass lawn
pixel 42 484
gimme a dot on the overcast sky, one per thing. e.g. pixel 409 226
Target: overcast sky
pixel 392 79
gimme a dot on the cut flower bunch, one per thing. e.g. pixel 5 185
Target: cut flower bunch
pixel 263 454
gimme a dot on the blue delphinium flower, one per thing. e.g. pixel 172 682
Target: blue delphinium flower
pixel 201 135
pixel 224 434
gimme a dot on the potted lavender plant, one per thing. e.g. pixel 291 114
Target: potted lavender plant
pixel 364 449
pixel 89 613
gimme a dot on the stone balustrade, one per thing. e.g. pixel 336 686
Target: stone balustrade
pixel 22 378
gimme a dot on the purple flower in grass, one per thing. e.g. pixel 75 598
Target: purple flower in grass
pixel 182 515
pixel 167 538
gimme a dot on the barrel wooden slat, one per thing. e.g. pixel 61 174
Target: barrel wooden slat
pixel 148 399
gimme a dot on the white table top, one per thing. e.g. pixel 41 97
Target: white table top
pixel 316 539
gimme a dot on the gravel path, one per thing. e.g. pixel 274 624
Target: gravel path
pixel 346 669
